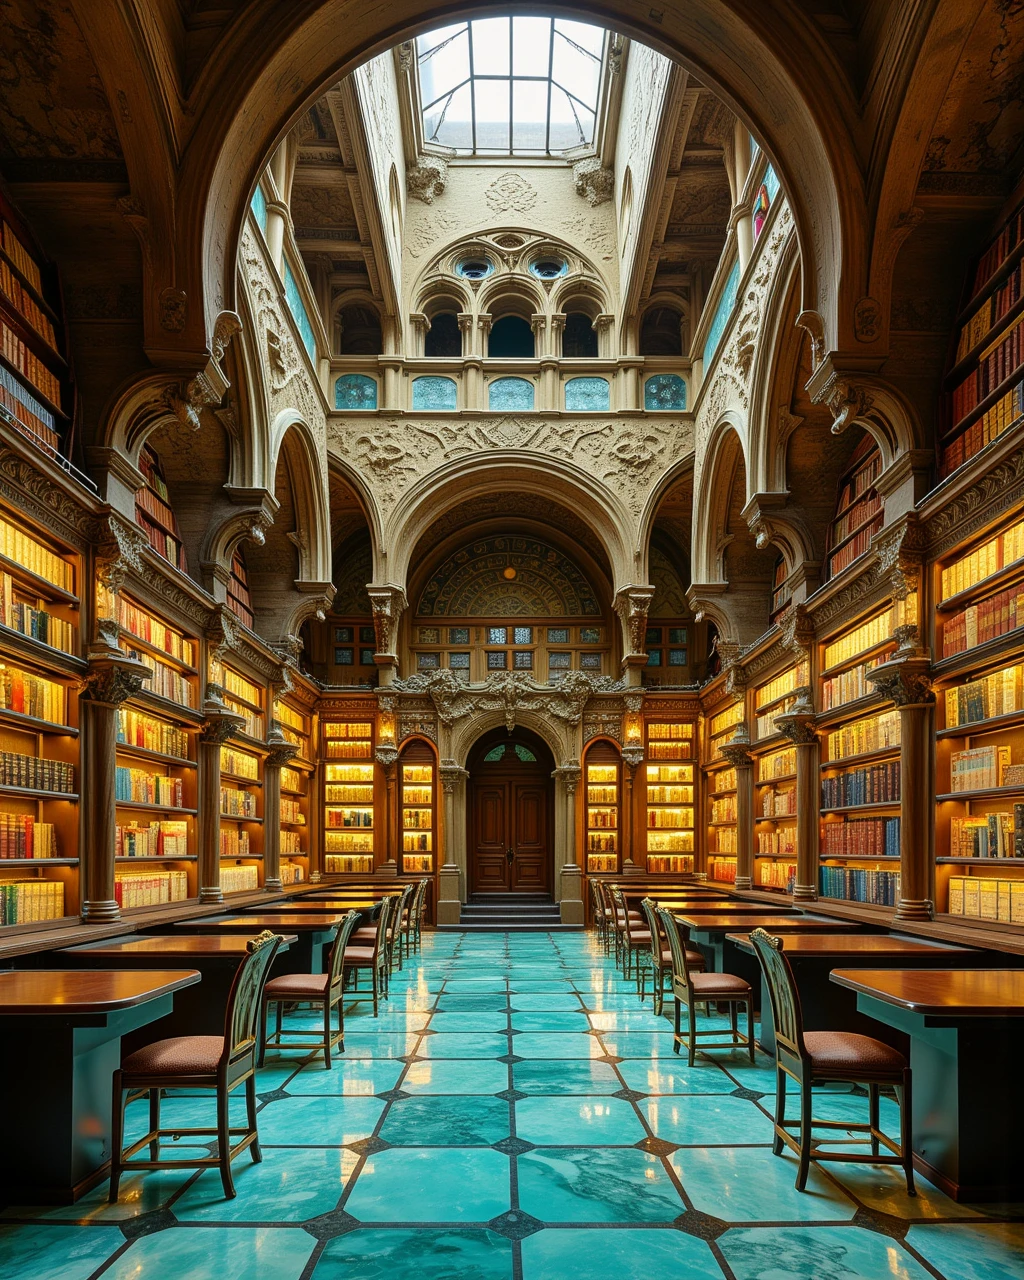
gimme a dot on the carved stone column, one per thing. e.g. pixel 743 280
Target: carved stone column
pixel 539 326
pixel 738 754
pixel 550 394
pixel 907 681
pixel 386 758
pixel 799 727
pixel 450 889
pixel 388 603
pixel 570 880
pixel 281 753
pixel 220 723
pixel 113 677
pixel 632 758
pixel 631 604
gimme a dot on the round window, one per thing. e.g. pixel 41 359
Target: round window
pixel 474 268
pixel 549 268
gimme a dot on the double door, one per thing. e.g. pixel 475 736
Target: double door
pixel 509 828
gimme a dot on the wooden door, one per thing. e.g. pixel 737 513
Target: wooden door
pixel 529 868
pixel 509 825
pixel 491 838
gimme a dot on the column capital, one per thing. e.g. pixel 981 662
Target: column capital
pixel 451 773
pixel 113 679
pixel 632 603
pixel 569 775
pixel 219 725
pixel 798 724
pixel 906 680
pixel 388 602
pixel 737 752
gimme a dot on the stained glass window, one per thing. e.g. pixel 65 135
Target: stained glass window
pixel 511 394
pixel 525 754
pixel 511 86
pixel 559 661
pixel 497 635
pixel 590 635
pixel 366 658
pixel 428 661
pixel 458 635
pixel 497 661
pixel 665 391
pixel 434 393
pixel 677 635
pixel 766 194
pixel 587 395
pixel 299 314
pixel 558 635
pixel 430 635
pixel 495 754
pixel 355 391
pixel 677 657
pixel 458 661
pixel 343 657
pixel 652 635
pixel 343 635
pixel 590 661
pixel 366 635
pixel 522 635
pixel 654 658
pixel 522 660
pixel 258 204
pixel 723 312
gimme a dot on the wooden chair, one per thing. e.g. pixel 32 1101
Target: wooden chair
pixel 372 954
pixel 691 988
pixel 324 989
pixel 199 1062
pixel 400 926
pixel 602 913
pixel 412 928
pixel 634 941
pixel 819 1057
pixel 661 956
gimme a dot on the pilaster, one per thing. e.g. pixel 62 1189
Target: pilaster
pixel 737 752
pixel 799 727
pixel 281 753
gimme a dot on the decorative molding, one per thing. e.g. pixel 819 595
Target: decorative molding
pixel 388 603
pixel 968 511
pixel 906 680
pixel 632 604
pixel 603 724
pixel 798 724
pixel 112 680
pixel 592 181
pixel 427 178
pixel 509 692
pixel 412 725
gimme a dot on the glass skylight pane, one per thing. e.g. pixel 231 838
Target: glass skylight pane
pixel 447 66
pixel 492 107
pixel 529 115
pixel 565 132
pixel 583 34
pixel 531 42
pixel 456 130
pixel 575 71
pixel 490 47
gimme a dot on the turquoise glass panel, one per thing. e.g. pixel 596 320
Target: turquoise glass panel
pixel 726 305
pixel 434 393
pixel 355 391
pixel 587 395
pixel 514 394
pixel 298 309
pixel 258 204
pixel 771 182
pixel 665 391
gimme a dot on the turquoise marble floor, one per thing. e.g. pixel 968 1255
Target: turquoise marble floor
pixel 514 1113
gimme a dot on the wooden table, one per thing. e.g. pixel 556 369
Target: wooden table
pixel 709 931
pixel 328 906
pixel 813 956
pixel 61 1032
pixel 199 1012
pixel 966 1029
pixel 314 930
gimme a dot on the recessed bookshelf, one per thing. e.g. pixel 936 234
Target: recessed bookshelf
pixel 669 777
pixel 858 514
pixel 246 699
pixel 240 805
pixel 349 799
pixel 721 729
pixel 239 600
pixel 602 807
pixel 154 514
pixel 418 808
pixel 776 697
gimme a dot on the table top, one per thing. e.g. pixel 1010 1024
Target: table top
pixel 76 991
pixel 976 993
pixel 876 945
pixel 295 921
pixel 231 945
pixel 739 923
pixel 328 905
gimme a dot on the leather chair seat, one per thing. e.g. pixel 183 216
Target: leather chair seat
pixel 358 955
pixel 845 1053
pixel 366 934
pixel 182 1056
pixel 297 986
pixel 719 984
pixel 693 958
pixel 640 937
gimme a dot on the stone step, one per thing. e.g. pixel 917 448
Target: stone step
pixel 509 928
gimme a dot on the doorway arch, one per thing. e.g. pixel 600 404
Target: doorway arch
pixel 510 813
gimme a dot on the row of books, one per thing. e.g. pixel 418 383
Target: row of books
pixel 15 249
pixel 777 875
pixel 764 726
pixel 241 764
pixel 659 864
pixel 237 804
pixel 859 640
pixel 996 419
pixel 854 517
pixel 877 733
pixel 28 901
pixel 156 508
pixel 978 623
pixel 854 884
pixel 999 694
pixel 997 553
pixel 163 543
pixel 350 795
pixel 30 413
pixel 602 841
pixel 150 889
pixel 856 547
pixel 982 769
pixel 157 840
pixel 165 681
pixel 17 353
pixel 32 696
pixel 778 804
pixel 292 873
pixel 723 720
pixel 239 879
pixel 723 810
pixel 137 730
pixel 347 729
pixel 143 625
pixel 139 787
pixel 783 840
pixel 723 780
pixel 670 750
pixel 26 619
pixel 291 780
pixel 291 811
pixel 290 842
pixel 252 722
pixel 998 304
pixel 26 306
pixel 412 819
pixel 21 836
pixel 239 599
pixel 780 764
pixel 658 818
pixel 412 841
pixel 345 842
pixel 988 835
pixel 861 838
pixel 998 251
pixel 861 480
pixel 670 841
pixel 604 862
pixel 785 682
pixel 725 840
pixel 33 556
pixel 234 843
pixel 602 795
pixel 994 366
pixel 349 750
pixel 18 770
pixel 241 688
pixel 362 818
pixel 669 795
pixel 353 865
pixel 723 869
pixel 986 898
pixel 876 784
pixel 670 732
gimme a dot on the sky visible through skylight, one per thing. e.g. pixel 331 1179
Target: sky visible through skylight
pixel 511 86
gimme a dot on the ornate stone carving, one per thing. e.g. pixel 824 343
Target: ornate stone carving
pixel 219 725
pixel 173 309
pixel 386 757
pixel 797 631
pixel 411 725
pixel 508 692
pixel 112 681
pixel 119 553
pixel 451 773
pixel 906 680
pixel 426 179
pixel 569 773
pixel 798 724
pixel 632 757
pixel 632 604
pixel 604 724
pixel 867 320
pixel 510 193
pixel 593 182
pixel 1001 486
pixel 900 550
pixel 388 603
pixel 737 752
pixel 282 751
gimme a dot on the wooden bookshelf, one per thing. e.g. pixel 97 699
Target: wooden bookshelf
pixel 153 512
pixel 247 699
pixel 417 804
pixel 295 724
pixel 602 807
pixel 350 795
pixel 669 797
pixel 720 786
pixel 239 600
pixel 776 696
pixel 858 515
pixel 241 818
pixel 775 799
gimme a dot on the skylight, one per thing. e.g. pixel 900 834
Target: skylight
pixel 511 86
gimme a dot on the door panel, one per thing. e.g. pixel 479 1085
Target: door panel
pixel 490 838
pixel 530 842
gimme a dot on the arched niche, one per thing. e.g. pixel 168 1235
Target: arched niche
pixel 358 330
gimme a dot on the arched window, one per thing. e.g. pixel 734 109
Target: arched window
pixel 514 394
pixel 579 339
pixel 355 391
pixel 239 600
pixel 359 332
pixel 587 395
pixel 665 391
pixel 661 332
pixel 443 337
pixel 434 393
pixel 511 339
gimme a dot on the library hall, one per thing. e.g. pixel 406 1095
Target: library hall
pixel 511 683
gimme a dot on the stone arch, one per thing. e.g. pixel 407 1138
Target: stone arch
pixel 711 497
pixel 771 376
pixel 292 441
pixel 559 736
pixel 650 511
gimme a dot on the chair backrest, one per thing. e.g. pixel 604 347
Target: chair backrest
pixel 419 899
pixel 618 904
pixel 650 909
pixel 782 991
pixel 677 945
pixel 384 922
pixel 406 902
pixel 337 963
pixel 246 993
